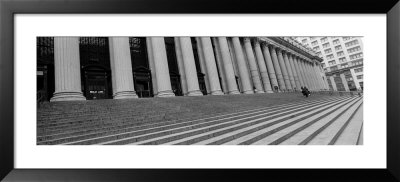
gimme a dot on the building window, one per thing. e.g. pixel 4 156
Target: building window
pixel 316 48
pixel 330 56
pixel 355 56
pixel 304 41
pixel 328 51
pixel 344 65
pixel 331 63
pixel 354 42
pixel 359 77
pixel 323 65
pixel 336 42
pixel 324 39
pixel 346 38
pixel 314 43
pixel 339 47
pixel 349 79
pixel 358 70
pixel 334 68
pixel 358 62
pixel 325 45
pixel 341 53
pixel 355 49
pixel 319 53
pixel 343 59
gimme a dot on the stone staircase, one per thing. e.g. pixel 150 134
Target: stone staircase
pixel 257 119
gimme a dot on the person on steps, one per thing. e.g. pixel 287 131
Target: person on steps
pixel 305 91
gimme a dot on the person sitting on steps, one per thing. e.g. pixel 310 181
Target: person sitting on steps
pixel 305 91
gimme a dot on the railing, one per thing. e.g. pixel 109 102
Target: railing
pixel 40 97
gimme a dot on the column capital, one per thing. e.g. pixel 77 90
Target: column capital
pixel 278 49
pixel 246 39
pixel 291 54
pixel 265 44
pixel 256 40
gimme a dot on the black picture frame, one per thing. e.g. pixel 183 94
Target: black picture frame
pixel 8 8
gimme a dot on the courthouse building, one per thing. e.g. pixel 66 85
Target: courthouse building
pixel 343 60
pixel 86 68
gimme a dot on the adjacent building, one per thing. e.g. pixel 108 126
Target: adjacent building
pixel 343 60
pixel 86 68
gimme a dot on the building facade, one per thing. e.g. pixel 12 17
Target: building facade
pixel 343 60
pixel 86 68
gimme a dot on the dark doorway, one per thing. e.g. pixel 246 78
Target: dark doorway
pixel 96 84
pixel 176 84
pixel 140 67
pixel 45 68
pixel 173 66
pixel 95 64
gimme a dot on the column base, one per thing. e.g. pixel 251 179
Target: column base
pixel 248 92
pixel 269 92
pixel 125 95
pixel 67 96
pixel 217 92
pixel 167 93
pixel 195 93
pixel 259 92
pixel 233 92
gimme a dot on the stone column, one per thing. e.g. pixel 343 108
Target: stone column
pixel 228 67
pixel 289 69
pixel 151 64
pixel 211 67
pixel 306 76
pixel 295 71
pixel 255 75
pixel 220 67
pixel 344 81
pixel 192 80
pixel 317 87
pixel 263 68
pixel 314 75
pixel 333 83
pixel 67 71
pixel 242 67
pixel 203 64
pixel 121 68
pixel 300 71
pixel 277 68
pixel 161 67
pixel 284 70
pixel 324 81
pixel 181 67
pixel 319 78
pixel 310 75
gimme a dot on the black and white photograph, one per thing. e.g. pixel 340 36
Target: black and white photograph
pixel 181 90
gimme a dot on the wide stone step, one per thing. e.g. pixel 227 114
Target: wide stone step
pixel 203 121
pixel 309 133
pixel 247 123
pixel 64 137
pixel 267 135
pixel 352 131
pixel 325 134
pixel 177 135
